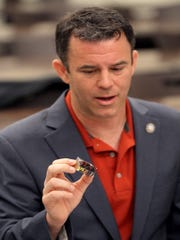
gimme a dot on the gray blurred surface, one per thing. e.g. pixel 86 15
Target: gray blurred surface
pixel 27 48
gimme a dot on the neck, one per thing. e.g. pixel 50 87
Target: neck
pixel 108 131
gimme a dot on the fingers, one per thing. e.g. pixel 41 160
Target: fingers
pixel 61 196
pixel 59 167
pixel 57 184
pixel 83 183
pixel 56 181
pixel 65 160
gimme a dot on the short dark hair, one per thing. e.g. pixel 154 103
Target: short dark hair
pixel 91 24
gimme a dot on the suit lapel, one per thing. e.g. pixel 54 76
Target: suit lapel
pixel 97 200
pixel 65 141
pixel 147 143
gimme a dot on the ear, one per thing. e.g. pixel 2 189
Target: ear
pixel 61 70
pixel 134 59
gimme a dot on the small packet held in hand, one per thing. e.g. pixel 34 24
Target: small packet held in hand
pixel 85 167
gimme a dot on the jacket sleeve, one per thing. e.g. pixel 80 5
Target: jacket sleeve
pixel 173 224
pixel 22 215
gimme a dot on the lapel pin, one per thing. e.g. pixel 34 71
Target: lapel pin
pixel 150 127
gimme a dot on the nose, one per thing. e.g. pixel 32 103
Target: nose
pixel 105 80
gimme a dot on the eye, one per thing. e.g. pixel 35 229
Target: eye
pixel 89 71
pixel 117 69
pixel 85 167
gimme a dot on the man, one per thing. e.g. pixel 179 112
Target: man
pixel 133 144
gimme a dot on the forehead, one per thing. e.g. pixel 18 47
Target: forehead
pixel 105 48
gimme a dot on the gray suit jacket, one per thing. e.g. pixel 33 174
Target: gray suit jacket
pixel 29 146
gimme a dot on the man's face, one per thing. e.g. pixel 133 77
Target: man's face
pixel 99 76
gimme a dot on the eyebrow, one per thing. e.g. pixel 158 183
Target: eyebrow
pixel 119 63
pixel 87 67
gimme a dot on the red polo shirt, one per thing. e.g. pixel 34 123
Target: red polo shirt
pixel 116 170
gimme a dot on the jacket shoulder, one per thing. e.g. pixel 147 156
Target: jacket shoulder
pixel 154 109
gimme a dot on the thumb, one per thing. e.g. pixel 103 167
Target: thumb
pixel 83 183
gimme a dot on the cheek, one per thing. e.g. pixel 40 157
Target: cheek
pixel 80 89
pixel 124 80
pixel 83 85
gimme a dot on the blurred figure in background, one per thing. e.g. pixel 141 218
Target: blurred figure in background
pixel 133 145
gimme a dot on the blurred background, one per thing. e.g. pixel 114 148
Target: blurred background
pixel 27 81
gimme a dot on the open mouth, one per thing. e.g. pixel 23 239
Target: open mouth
pixel 105 98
